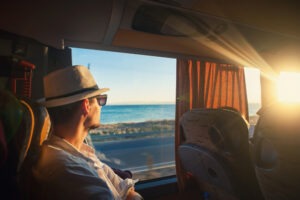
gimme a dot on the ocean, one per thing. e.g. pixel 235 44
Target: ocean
pixel 112 114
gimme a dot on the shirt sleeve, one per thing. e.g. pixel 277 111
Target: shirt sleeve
pixel 73 181
pixel 121 185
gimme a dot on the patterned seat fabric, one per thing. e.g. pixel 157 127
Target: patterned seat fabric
pixel 216 152
pixel 275 149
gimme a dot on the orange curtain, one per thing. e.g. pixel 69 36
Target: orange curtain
pixel 203 84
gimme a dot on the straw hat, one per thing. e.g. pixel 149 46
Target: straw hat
pixel 69 85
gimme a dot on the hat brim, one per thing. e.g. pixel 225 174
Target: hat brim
pixel 71 99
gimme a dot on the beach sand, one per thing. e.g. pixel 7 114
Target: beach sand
pixel 135 127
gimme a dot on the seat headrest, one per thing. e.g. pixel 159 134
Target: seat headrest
pixel 215 128
pixel 11 114
pixel 37 126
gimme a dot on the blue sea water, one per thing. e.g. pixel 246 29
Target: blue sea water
pixel 111 114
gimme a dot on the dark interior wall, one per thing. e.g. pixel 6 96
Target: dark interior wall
pixel 45 59
pixel 58 58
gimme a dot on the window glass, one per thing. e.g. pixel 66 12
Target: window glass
pixel 254 95
pixel 137 123
pixel 287 86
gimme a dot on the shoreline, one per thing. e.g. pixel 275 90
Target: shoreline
pixel 134 127
pixel 143 128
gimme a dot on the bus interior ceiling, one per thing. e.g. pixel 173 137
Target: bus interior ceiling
pixel 261 34
pixel 242 32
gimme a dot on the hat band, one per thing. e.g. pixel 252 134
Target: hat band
pixel 74 93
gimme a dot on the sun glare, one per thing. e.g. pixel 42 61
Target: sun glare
pixel 288 87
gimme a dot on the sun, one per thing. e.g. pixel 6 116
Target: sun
pixel 288 87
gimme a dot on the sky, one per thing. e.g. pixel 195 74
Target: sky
pixel 253 84
pixel 132 78
pixel 139 79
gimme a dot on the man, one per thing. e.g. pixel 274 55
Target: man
pixel 67 168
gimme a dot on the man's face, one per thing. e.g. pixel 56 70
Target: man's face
pixel 93 120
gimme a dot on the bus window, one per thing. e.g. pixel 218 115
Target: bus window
pixel 137 123
pixel 254 95
pixel 287 85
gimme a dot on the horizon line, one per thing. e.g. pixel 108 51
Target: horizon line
pixel 119 104
pixel 154 103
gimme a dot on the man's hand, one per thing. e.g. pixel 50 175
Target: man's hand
pixel 133 195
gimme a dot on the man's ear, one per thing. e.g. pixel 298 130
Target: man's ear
pixel 85 106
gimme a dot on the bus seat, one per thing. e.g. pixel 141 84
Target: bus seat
pixel 3 145
pixel 25 125
pixel 215 151
pixel 275 149
pixel 11 115
pixel 37 125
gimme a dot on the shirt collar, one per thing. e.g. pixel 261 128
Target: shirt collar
pixel 61 143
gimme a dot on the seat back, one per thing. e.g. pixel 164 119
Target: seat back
pixel 275 149
pixel 11 115
pixel 26 125
pixel 3 145
pixel 37 123
pixel 37 126
pixel 215 152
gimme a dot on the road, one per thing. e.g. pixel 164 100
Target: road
pixel 138 154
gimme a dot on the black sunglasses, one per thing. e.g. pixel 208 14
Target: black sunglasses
pixel 101 99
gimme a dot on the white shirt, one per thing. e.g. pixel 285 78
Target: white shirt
pixel 64 172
